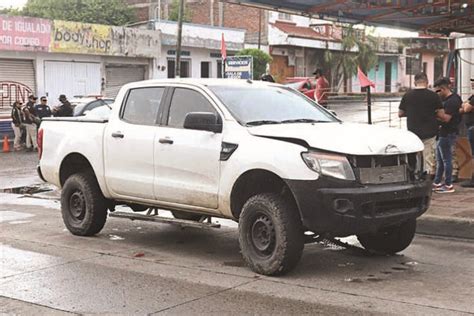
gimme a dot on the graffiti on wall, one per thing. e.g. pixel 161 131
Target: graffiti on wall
pixel 23 33
pixel 11 91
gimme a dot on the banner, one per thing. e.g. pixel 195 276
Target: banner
pixel 238 67
pixel 24 33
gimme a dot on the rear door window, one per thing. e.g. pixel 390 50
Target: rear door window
pixel 142 105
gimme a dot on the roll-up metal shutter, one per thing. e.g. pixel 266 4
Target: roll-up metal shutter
pixel 118 75
pixel 17 81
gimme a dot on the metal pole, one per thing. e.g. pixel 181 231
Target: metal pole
pixel 369 104
pixel 177 68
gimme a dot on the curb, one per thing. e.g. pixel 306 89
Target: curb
pixel 445 226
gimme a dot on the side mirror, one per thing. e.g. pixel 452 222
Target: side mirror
pixel 203 121
pixel 333 112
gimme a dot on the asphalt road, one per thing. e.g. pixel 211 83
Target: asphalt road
pixel 145 268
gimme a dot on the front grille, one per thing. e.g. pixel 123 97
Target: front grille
pixel 384 169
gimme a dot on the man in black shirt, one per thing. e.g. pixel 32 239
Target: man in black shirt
pixel 423 109
pixel 447 135
pixel 65 109
pixel 468 110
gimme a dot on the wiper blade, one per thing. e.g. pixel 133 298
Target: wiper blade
pixel 302 120
pixel 261 122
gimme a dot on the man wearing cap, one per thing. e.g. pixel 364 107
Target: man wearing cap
pixel 468 110
pixel 30 123
pixel 322 88
pixel 65 109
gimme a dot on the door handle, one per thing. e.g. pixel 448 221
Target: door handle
pixel 166 141
pixel 117 135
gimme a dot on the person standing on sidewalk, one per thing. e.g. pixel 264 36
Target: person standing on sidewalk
pixel 322 88
pixel 447 136
pixel 423 109
pixel 30 124
pixel 468 110
pixel 17 122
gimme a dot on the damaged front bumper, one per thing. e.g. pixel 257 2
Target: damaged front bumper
pixel 342 208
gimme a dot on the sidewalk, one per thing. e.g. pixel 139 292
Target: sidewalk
pixel 450 215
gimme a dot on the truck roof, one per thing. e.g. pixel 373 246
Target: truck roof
pixel 202 82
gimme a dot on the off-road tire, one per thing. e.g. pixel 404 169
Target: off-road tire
pixel 271 235
pixel 186 216
pixel 83 207
pixel 389 240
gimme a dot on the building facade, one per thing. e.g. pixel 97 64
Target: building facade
pixel 52 57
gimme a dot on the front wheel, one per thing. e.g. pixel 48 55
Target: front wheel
pixel 389 240
pixel 83 207
pixel 271 235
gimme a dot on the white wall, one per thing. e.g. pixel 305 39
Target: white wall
pixel 197 56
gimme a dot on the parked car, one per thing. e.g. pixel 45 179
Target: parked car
pixel 304 85
pixel 255 152
pixel 82 105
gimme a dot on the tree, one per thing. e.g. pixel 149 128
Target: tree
pixel 110 12
pixel 358 50
pixel 260 60
pixel 174 12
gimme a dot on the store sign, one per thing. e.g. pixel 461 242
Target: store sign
pixel 238 67
pixel 75 37
pixel 24 33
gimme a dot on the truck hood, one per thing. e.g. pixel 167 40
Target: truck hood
pixel 346 138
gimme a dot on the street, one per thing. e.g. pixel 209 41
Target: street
pixel 137 267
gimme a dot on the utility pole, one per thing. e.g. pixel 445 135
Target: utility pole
pixel 259 27
pixel 177 68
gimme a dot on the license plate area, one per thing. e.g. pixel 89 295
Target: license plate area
pixel 382 175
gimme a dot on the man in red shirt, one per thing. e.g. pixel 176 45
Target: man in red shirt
pixel 322 88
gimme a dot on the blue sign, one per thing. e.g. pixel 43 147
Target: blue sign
pixel 238 67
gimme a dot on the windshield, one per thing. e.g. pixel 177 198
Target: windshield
pixel 257 105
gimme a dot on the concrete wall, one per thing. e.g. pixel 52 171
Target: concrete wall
pixel 466 66
pixel 377 75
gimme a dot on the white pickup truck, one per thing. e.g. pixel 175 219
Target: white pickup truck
pixel 259 153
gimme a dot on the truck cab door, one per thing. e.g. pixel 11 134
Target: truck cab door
pixel 129 144
pixel 187 162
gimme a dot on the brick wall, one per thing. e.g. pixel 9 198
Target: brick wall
pixel 235 16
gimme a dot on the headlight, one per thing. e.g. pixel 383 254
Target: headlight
pixel 331 165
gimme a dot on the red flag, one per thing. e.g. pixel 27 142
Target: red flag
pixel 223 48
pixel 364 81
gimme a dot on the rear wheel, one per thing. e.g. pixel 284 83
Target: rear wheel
pixel 389 240
pixel 270 234
pixel 186 216
pixel 83 207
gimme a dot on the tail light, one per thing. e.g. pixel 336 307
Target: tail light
pixel 40 143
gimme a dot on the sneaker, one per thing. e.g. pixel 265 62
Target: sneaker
pixel 446 189
pixel 437 186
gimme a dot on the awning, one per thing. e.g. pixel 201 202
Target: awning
pixel 433 16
